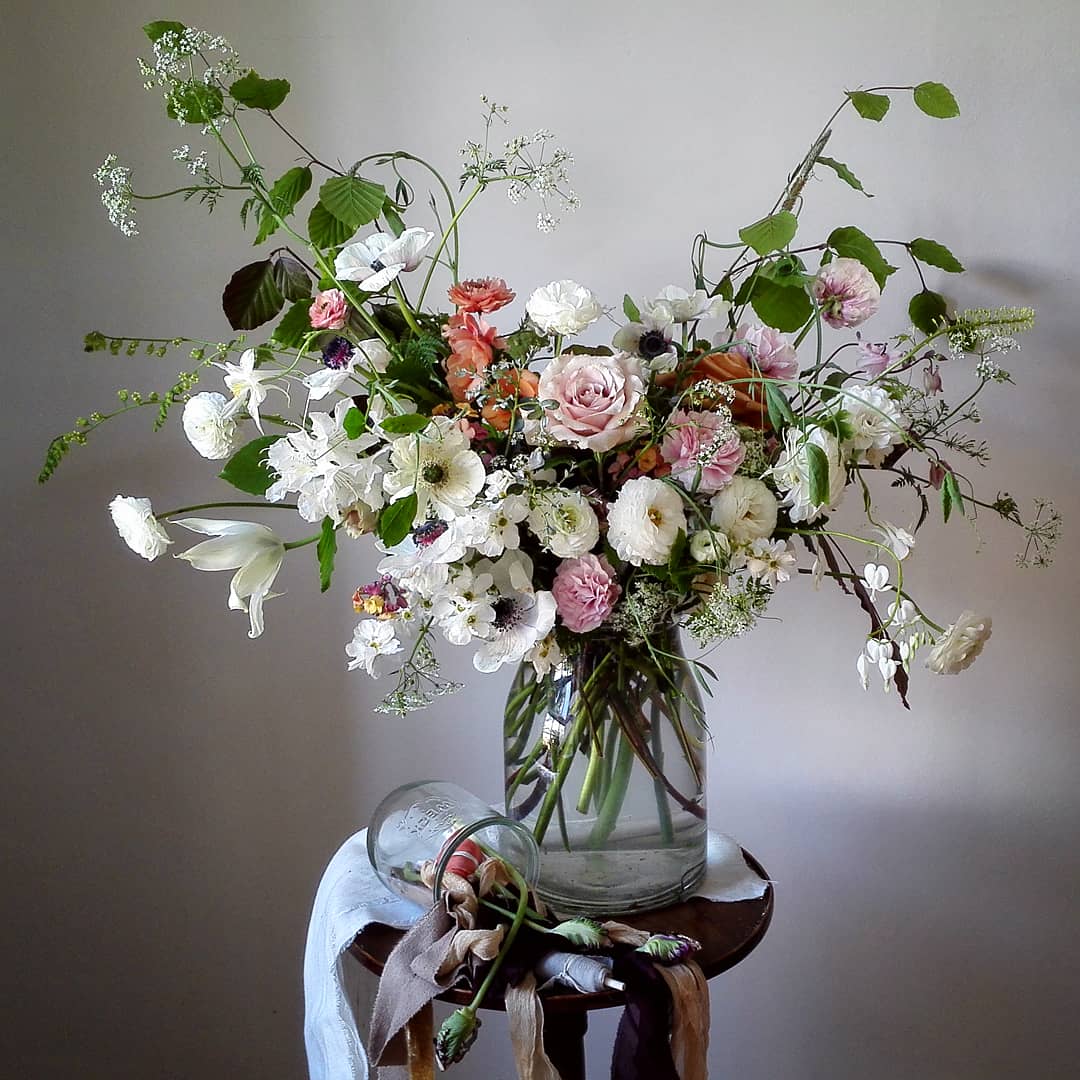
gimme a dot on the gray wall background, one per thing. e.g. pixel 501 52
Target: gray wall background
pixel 173 791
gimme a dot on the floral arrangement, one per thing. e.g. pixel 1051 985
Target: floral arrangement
pixel 529 489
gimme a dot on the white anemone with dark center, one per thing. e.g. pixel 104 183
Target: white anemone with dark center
pixel 439 467
pixel 523 617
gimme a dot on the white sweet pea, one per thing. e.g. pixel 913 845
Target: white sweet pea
pixel 378 260
pixel 681 306
pixel 875 578
pixel 898 540
pixel 367 357
pixel 563 307
pixel 254 551
pixel 372 639
pixel 792 473
pixel 210 425
pixel 138 528
pixel 248 386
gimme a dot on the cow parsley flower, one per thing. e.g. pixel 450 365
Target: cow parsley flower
pixel 116 195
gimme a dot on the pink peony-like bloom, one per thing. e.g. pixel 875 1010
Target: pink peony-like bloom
pixel 585 591
pixel 774 354
pixel 329 310
pixel 472 344
pixel 846 293
pixel 597 399
pixel 874 358
pixel 480 294
pixel 702 450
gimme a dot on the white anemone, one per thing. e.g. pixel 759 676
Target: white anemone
pixel 439 467
pixel 378 260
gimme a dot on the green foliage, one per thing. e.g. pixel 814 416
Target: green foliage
pixel 418 368
pixel 258 93
pixel 294 326
pixel 95 341
pixel 869 106
pixel 927 311
pixel 406 424
pixel 844 173
pixel 934 254
pixel 819 474
pixel 157 29
pixel 583 932
pixel 788 270
pixel 630 309
pixel 196 102
pixel 396 520
pixel 936 100
pixel 951 499
pixel 325 230
pixel 326 549
pixel 248 469
pixel 288 190
pixel 352 200
pixel 782 307
pixel 780 414
pixel 771 233
pixel 833 382
pixel 353 423
pixel 851 243
pixel 524 342
pixel 252 296
pixel 291 278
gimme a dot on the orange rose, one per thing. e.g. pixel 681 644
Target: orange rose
pixel 517 381
pixel 747 406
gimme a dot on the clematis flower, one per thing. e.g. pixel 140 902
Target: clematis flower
pixel 480 294
pixel 378 260
pixel 248 386
pixel 771 561
pixel 254 551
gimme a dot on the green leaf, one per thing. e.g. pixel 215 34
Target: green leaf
pixel 936 99
pixel 406 424
pixel 934 254
pixel 779 306
pixel 780 414
pixel 630 309
pixel 851 243
pixel 352 200
pixel 160 27
pixel 288 190
pixel 396 520
pixel 291 278
pixel 819 474
pixel 678 550
pixel 325 230
pixel 927 311
pixel 833 382
pixel 247 468
pixel 951 499
pixel 770 233
pixel 844 173
pixel 353 423
pixel 198 103
pixel 869 106
pixel 252 296
pixel 294 326
pixel 393 219
pixel 258 93
pixel 326 549
pixel 788 270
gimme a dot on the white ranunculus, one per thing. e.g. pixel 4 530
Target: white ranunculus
pixel 138 528
pixel 957 648
pixel 745 510
pixel 371 640
pixel 210 425
pixel 563 307
pixel 565 523
pixel 377 260
pixel 792 473
pixel 681 306
pixel 876 420
pixel 439 467
pixel 645 520
pixel 254 551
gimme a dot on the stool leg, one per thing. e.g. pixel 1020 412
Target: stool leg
pixel 564 1042
pixel 420 1044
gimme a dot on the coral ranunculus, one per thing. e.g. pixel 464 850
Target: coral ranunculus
pixel 747 406
pixel 480 294
pixel 519 383
pixel 472 344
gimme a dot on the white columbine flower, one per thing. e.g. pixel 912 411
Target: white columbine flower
pixel 771 561
pixel 372 639
pixel 792 473
pixel 378 260
pixel 254 551
pixel 875 578
pixel 248 385
pixel 565 523
pixel 563 307
pixel 644 521
pixel 876 421
pixel 957 648
pixel 210 425
pixel 745 510
pixel 138 528
pixel 367 357
pixel 877 654
pixel 681 306
pixel 897 539
pixel 438 465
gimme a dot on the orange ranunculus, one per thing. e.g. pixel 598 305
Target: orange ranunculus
pixel 517 382
pixel 747 406
pixel 472 344
pixel 480 294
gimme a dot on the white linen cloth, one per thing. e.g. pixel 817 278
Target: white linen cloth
pixel 351 896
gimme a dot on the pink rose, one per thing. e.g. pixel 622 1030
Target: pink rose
pixel 773 353
pixel 329 310
pixel 702 449
pixel 597 399
pixel 585 591
pixel 846 292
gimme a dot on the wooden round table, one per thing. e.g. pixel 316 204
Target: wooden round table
pixel 728 932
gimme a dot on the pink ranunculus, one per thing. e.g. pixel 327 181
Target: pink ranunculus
pixel 697 459
pixel 774 354
pixel 597 399
pixel 329 310
pixel 585 591
pixel 846 292
pixel 874 358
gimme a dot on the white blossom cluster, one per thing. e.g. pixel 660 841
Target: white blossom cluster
pixel 116 195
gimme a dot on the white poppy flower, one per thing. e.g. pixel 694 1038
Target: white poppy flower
pixel 247 384
pixel 439 467
pixel 680 306
pixel 644 521
pixel 563 307
pixel 378 260
pixel 254 551
pixel 564 522
pixel 745 510
pixel 650 338
pixel 210 425
pixel 961 643
pixel 138 528
pixel 372 639
pixel 523 617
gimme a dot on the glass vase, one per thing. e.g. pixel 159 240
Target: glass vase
pixel 605 763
